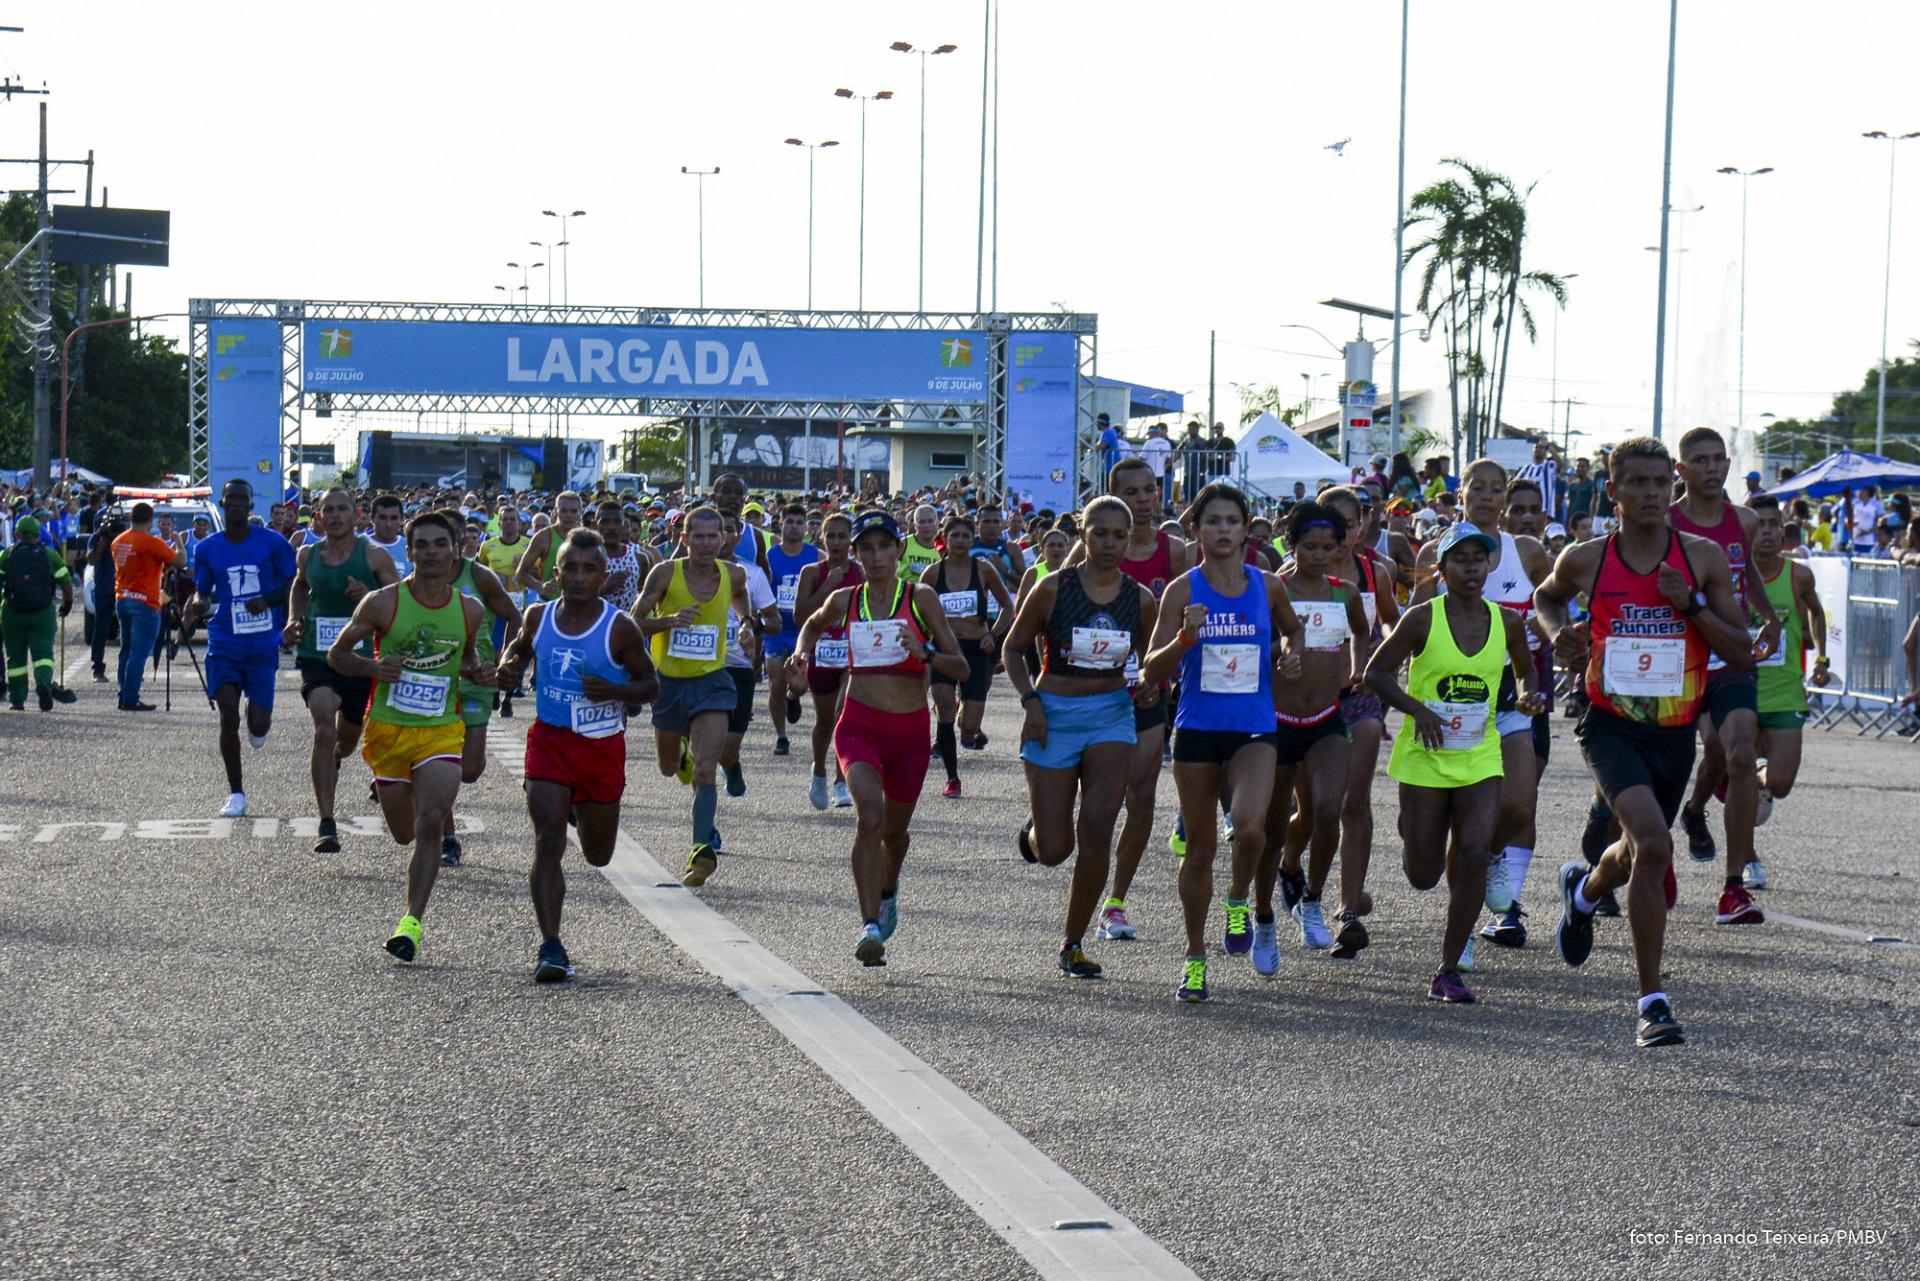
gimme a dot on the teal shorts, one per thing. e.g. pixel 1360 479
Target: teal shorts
pixel 1076 723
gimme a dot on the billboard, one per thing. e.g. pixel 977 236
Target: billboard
pixel 1042 373
pixel 791 453
pixel 630 361
pixel 243 406
pixel 129 237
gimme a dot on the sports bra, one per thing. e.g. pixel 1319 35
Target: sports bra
pixel 952 602
pixel 876 641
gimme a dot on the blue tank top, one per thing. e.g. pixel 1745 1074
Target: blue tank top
pixel 1226 681
pixel 786 580
pixel 561 664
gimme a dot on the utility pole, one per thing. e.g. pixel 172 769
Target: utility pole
pixel 1211 335
pixel 43 304
pixel 1666 211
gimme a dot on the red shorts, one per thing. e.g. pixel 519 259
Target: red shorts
pixel 594 768
pixel 894 743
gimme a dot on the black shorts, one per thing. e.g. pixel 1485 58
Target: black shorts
pixel 353 692
pixel 1542 738
pixel 1146 718
pixel 1212 746
pixel 743 685
pixel 1624 754
pixel 979 673
pixel 1728 691
pixel 1292 742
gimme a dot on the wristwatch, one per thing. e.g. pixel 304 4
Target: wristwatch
pixel 1698 603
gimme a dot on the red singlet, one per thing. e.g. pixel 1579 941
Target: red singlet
pixel 1627 606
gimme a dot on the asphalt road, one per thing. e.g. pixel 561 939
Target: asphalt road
pixel 213 1070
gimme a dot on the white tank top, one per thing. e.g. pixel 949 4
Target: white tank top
pixel 1508 585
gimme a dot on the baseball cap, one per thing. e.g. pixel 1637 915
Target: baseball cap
pixel 753 509
pixel 1556 530
pixel 26 527
pixel 1465 533
pixel 1753 475
pixel 1891 521
pixel 867 522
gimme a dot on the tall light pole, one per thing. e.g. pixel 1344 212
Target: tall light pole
pixel 700 180
pixel 548 249
pixel 1666 209
pixel 1677 252
pixel 524 270
pixel 1893 142
pixel 566 257
pixel 980 226
pixel 1740 396
pixel 903 46
pixel 881 95
pixel 811 148
pixel 1400 238
pixel 1553 380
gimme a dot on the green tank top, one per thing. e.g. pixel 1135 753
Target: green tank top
pixel 328 607
pixel 483 640
pixel 1781 687
pixel 1461 689
pixel 916 556
pixel 430 642
pixel 554 541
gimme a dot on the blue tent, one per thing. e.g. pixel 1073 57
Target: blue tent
pixel 1848 470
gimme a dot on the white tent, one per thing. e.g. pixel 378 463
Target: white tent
pixel 1276 455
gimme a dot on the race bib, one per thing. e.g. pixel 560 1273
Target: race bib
pixel 419 693
pixel 1779 656
pixel 1326 623
pixel 246 622
pixel 1133 669
pixel 785 594
pixel 1645 667
pixel 1103 648
pixel 700 643
pixel 960 604
pixel 1230 669
pixel 327 630
pixel 598 720
pixel 879 643
pixel 1463 725
pixel 830 651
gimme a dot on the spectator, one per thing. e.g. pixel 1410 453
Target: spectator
pixel 1401 482
pixel 1753 483
pixel 138 561
pixel 1821 539
pixel 1193 461
pixel 1580 489
pixel 1867 511
pixel 1220 456
pixel 1886 537
pixel 1376 474
pixel 101 618
pixel 1109 444
pixel 1544 471
pixel 1158 451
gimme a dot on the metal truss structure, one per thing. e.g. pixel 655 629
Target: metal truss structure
pixel 988 418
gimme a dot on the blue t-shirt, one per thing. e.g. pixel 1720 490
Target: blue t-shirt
pixel 262 564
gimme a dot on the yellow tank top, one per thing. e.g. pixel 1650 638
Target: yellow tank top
pixel 695 650
pixel 1461 689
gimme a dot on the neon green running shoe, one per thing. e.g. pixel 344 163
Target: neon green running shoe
pixel 1193 980
pixel 1177 842
pixel 1239 936
pixel 405 943
pixel 685 772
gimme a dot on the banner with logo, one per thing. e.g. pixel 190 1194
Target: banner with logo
pixel 1041 405
pixel 243 406
pixel 1832 580
pixel 625 361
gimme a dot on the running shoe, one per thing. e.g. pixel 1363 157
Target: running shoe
pixel 714 843
pixel 817 792
pixel 1499 895
pixel 1737 908
pixel 1351 939
pixel 1266 948
pixel 1193 980
pixel 236 806
pixel 1024 839
pixel 257 741
pixel 329 842
pixel 1507 931
pixel 1448 987
pixel 1765 810
pixel 1754 876
pixel 842 798
pixel 736 781
pixel 553 965
pixel 1700 845
pixel 685 772
pixel 1075 965
pixel 793 711
pixel 1114 926
pixel 1239 936
pixel 1293 887
pixel 450 851
pixel 1465 963
pixel 871 950
pixel 1573 937
pixel 978 743
pixel 700 865
pixel 1657 1027
pixel 952 790
pixel 889 915
pixel 1177 842
pixel 1597 835
pixel 1608 905
pixel 781 747
pixel 1366 904
pixel 1313 925
pixel 506 713
pixel 405 943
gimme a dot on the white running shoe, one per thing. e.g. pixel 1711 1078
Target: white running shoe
pixel 817 792
pixel 1755 876
pixel 236 806
pixel 257 740
pixel 842 798
pixel 1765 809
pixel 1499 895
pixel 1313 924
pixel 1465 965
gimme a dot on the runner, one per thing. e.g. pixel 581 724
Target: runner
pixel 1782 694
pixel 1216 626
pixel 1079 736
pixel 989 543
pixel 423 634
pixel 329 579
pixel 922 547
pixel 730 497
pixel 501 554
pixel 1644 645
pixel 1732 726
pixel 827 672
pixel 744 645
pixel 626 567
pixel 1312 734
pixel 29 571
pixel 590 663
pixel 787 561
pixel 683 610
pixel 538 570
pixel 895 633
pixel 1447 757
pixel 389 535
pixel 240 583
pixel 476 697
pixel 969 590
pixel 1385 543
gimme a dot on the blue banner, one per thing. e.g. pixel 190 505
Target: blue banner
pixel 621 361
pixel 1041 405
pixel 243 406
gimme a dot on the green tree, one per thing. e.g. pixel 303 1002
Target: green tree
pixel 1849 421
pixel 1257 399
pixel 657 450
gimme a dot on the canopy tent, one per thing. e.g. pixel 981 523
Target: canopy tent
pixel 74 472
pixel 1847 470
pixel 1275 455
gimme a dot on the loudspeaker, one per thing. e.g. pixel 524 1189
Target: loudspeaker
pixel 380 460
pixel 553 463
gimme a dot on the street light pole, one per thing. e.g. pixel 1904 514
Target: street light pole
pixel 548 248
pixel 700 181
pixel 523 270
pixel 903 46
pixel 1400 238
pixel 566 255
pixel 1666 209
pixel 1886 289
pixel 811 148
pixel 1740 396
pixel 860 296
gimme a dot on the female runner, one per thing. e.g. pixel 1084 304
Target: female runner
pixel 827 677
pixel 965 583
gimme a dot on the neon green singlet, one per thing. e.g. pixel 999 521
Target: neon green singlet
pixel 430 642
pixel 1461 689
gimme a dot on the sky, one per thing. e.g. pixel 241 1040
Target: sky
pixel 1163 167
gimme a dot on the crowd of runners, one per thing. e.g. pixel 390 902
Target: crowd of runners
pixel 1260 655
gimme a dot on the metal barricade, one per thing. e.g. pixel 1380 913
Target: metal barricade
pixel 1881 598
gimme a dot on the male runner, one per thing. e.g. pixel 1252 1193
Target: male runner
pixel 920 548
pixel 590 662
pixel 331 577
pixel 423 634
pixel 743 657
pixel 389 534
pixel 730 496
pixel 501 554
pixel 538 562
pixel 786 561
pixel 476 581
pixel 1659 600
pixel 240 584
pixel 626 567
pixel 991 543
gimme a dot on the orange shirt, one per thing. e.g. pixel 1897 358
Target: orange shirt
pixel 138 558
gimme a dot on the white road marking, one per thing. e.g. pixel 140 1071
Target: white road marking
pixel 1840 931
